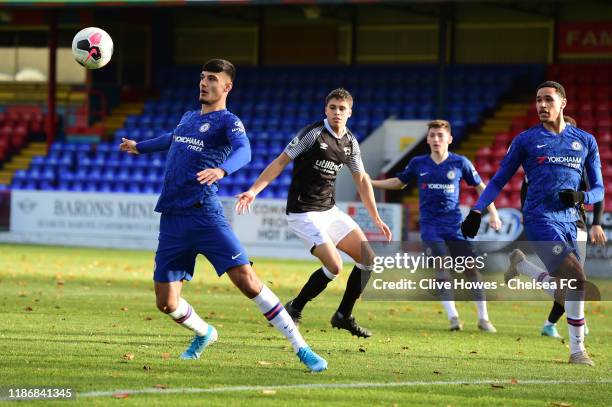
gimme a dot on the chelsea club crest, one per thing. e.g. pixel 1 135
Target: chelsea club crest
pixel 204 127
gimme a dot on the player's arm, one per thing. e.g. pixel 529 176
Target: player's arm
pixel 596 190
pixel 494 220
pixel 161 143
pixel 269 174
pixel 238 157
pixel 571 198
pixel 598 236
pixel 364 188
pixel 389 183
pixel 400 180
pixel 508 166
pixel 300 143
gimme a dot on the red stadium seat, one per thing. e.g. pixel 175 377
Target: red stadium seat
pixel 604 137
pixel 499 153
pixel 515 184
pixel 502 201
pixel 467 199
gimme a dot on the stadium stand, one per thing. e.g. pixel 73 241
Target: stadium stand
pixel 589 92
pixel 273 102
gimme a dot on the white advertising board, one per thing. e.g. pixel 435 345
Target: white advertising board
pixel 128 221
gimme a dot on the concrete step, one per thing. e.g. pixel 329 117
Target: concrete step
pixel 13 166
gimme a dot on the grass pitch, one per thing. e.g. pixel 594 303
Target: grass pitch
pixel 86 319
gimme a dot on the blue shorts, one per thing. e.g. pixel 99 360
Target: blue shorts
pixel 552 241
pixel 445 241
pixel 183 237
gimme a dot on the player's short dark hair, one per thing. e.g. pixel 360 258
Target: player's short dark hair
pixel 217 65
pixel 340 94
pixel 552 84
pixel 439 124
pixel 570 120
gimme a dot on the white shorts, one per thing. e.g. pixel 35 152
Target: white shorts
pixel 315 228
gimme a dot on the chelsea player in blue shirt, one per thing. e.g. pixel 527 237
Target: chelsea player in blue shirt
pixel 554 157
pixel 439 175
pixel 193 221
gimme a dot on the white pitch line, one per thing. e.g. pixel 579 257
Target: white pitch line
pixel 334 386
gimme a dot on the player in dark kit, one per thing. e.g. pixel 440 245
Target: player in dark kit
pixel 554 156
pixel 319 151
pixel 193 222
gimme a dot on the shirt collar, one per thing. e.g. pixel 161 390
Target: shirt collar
pixel 333 133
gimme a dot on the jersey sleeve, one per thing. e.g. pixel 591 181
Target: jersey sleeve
pixel 161 143
pixel 302 142
pixel 241 148
pixel 409 172
pixel 593 171
pixel 508 166
pixel 354 162
pixel 470 174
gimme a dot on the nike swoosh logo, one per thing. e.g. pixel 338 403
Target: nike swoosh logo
pixel 423 173
pixel 236 256
pixel 542 145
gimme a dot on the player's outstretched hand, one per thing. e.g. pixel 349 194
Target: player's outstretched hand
pixel 245 199
pixel 210 175
pixel 471 224
pixel 598 236
pixel 571 198
pixel 128 145
pixel 495 222
pixel 385 229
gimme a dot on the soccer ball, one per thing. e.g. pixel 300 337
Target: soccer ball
pixel 92 47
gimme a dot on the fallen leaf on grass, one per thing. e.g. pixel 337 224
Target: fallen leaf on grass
pixel 60 282
pixel 128 356
pixel 560 404
pixel 268 392
pixel 165 356
pixel 29 309
pixel 121 395
pixel 124 308
pixel 160 386
pixel 148 318
pixel 264 363
pixel 497 386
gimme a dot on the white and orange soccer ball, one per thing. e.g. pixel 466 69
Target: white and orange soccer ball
pixel 92 47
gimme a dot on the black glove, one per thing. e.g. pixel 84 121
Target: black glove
pixel 471 224
pixel 571 198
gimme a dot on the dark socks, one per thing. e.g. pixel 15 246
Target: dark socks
pixel 313 287
pixel 354 287
pixel 556 312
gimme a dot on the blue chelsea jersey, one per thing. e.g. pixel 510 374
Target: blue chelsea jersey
pixel 552 162
pixel 439 187
pixel 199 141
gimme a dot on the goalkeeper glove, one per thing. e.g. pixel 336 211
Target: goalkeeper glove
pixel 471 224
pixel 571 198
